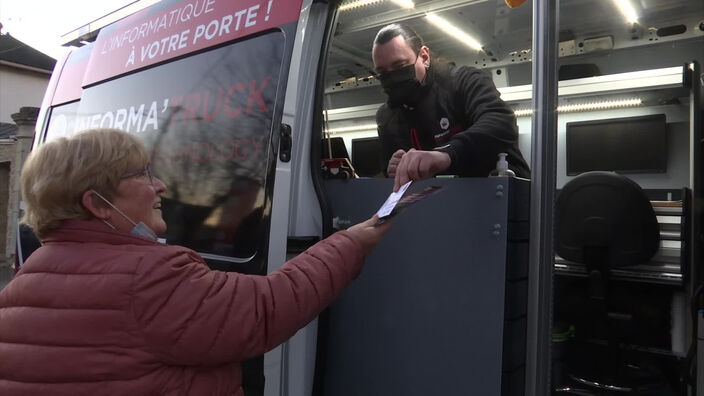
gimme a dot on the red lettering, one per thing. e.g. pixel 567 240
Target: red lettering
pixel 257 143
pixel 175 101
pixel 256 95
pixel 227 153
pixel 203 152
pixel 235 150
pixel 180 154
pixel 218 103
pixel 175 104
pixel 229 111
pixel 191 106
pixel 186 153
pixel 195 152
pixel 158 159
pixel 240 152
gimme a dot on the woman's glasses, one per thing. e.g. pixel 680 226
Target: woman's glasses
pixel 142 172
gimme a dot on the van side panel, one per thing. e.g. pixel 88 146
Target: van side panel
pixel 69 84
pixel 150 37
pixel 289 368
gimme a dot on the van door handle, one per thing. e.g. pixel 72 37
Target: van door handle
pixel 285 143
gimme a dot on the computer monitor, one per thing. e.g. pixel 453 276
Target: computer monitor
pixel 336 145
pixel 366 156
pixel 624 145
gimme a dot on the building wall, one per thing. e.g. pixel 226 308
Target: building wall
pixel 4 198
pixel 20 88
pixel 8 154
pixel 13 152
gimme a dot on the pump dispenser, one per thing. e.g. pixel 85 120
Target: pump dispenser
pixel 502 169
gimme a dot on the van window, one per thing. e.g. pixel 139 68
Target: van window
pixel 207 120
pixel 62 120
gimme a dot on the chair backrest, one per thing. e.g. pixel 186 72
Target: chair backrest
pixel 605 216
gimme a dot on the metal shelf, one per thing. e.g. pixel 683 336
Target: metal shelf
pixel 669 77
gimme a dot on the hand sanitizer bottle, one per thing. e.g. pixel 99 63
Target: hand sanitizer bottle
pixel 502 169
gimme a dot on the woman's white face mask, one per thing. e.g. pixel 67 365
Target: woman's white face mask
pixel 139 229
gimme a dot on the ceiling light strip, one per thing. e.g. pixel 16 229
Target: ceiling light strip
pixel 353 128
pixel 609 104
pixel 404 3
pixel 452 30
pixel 357 4
pixel 605 105
pixel 626 8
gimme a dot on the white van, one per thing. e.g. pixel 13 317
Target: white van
pixel 233 97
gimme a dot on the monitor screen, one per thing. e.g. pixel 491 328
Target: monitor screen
pixel 366 156
pixel 336 145
pixel 625 145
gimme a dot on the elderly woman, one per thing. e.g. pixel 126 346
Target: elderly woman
pixel 102 308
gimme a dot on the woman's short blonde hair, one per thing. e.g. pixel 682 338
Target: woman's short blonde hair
pixel 57 173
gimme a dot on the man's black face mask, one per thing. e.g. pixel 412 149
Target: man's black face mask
pixel 401 85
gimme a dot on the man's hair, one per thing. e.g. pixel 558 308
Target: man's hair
pixel 57 173
pixel 388 32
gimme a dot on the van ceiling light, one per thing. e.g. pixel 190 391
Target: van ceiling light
pixel 605 105
pixel 609 104
pixel 523 112
pixel 627 10
pixel 404 3
pixel 453 31
pixel 357 4
pixel 353 128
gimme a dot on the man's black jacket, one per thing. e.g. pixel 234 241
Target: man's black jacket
pixel 459 112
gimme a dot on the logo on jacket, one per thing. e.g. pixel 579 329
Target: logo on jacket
pixel 444 123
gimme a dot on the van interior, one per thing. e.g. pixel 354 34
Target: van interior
pixel 623 106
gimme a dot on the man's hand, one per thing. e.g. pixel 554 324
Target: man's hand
pixel 419 165
pixel 369 234
pixel 393 163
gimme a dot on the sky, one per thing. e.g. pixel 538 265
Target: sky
pixel 41 23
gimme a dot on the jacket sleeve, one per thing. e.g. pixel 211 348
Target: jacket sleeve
pixel 493 124
pixel 189 314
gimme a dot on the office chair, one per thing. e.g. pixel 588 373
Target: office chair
pixel 604 221
pixel 334 159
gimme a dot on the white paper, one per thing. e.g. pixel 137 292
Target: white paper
pixel 392 200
